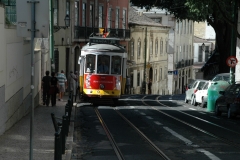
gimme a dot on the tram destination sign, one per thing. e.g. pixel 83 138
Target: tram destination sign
pixel 104 40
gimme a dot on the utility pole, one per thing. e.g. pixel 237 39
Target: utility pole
pixel 145 57
pixel 51 36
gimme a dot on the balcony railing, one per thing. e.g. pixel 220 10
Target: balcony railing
pixel 185 63
pixel 85 32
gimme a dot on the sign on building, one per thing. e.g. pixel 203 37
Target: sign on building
pixel 24 14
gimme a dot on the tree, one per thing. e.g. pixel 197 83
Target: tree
pixel 218 13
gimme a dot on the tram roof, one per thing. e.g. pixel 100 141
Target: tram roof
pixel 104 44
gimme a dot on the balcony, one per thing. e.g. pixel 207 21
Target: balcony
pixel 85 32
pixel 183 63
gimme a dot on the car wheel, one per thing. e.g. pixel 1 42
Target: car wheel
pixel 230 114
pixel 217 112
pixel 203 103
pixel 186 101
pixel 193 101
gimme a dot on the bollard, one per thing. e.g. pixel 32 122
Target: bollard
pixel 55 124
pixel 58 145
pixel 64 133
pixel 67 116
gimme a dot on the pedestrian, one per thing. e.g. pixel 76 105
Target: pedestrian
pixel 103 68
pixel 62 81
pixel 128 83
pixel 77 85
pixel 150 86
pixel 45 87
pixel 53 89
pixel 73 82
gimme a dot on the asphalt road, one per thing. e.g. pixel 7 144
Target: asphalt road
pixel 179 130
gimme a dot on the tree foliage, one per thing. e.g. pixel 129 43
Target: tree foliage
pixel 217 13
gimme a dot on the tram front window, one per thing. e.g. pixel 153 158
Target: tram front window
pixel 116 65
pixel 103 64
pixel 90 63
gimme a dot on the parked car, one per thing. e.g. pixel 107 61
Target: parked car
pixel 222 77
pixel 229 101
pixel 201 95
pixel 190 93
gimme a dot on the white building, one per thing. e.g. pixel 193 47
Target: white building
pixel 179 49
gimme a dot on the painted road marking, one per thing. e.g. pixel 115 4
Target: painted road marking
pixel 158 123
pixel 149 117
pixel 188 142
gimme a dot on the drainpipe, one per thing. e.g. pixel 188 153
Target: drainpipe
pixel 51 36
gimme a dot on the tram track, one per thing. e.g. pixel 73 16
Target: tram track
pixel 114 144
pixel 224 140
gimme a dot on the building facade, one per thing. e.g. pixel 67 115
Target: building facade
pixel 148 59
pixel 179 49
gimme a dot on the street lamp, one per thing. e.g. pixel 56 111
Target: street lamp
pixel 67 24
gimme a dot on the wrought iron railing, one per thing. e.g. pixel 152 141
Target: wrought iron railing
pixel 85 32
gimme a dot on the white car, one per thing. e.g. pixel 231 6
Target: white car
pixel 201 95
pixel 190 92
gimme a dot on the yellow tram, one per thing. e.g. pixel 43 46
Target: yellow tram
pixel 102 69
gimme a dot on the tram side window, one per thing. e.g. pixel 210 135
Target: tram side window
pixel 116 65
pixel 103 64
pixel 90 63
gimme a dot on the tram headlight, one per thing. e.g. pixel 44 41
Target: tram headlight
pixel 118 84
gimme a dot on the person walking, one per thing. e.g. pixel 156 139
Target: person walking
pixel 73 82
pixel 62 81
pixel 53 89
pixel 77 85
pixel 46 87
pixel 150 87
pixel 128 83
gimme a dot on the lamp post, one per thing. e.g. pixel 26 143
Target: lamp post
pixel 145 56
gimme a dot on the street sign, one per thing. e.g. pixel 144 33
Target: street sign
pixel 232 61
pixel 175 73
pixel 23 8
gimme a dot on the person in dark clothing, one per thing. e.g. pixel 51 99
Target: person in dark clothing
pixel 150 87
pixel 53 89
pixel 45 87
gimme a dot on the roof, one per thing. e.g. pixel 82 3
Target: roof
pixel 141 19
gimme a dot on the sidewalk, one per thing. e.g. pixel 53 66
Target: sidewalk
pixel 15 143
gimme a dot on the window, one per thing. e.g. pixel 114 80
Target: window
pixel 160 74
pixel 151 46
pixel 76 13
pixel 109 18
pixel 166 46
pixel 103 64
pixel 200 54
pixel 117 18
pixel 139 48
pixel 84 14
pixel 156 47
pixel 91 15
pixel 55 12
pixel 155 75
pixel 158 20
pixel 100 17
pixel 138 79
pixel 161 47
pixel 10 10
pixel 90 63
pixel 124 20
pixel 116 65
pixel 68 8
pixel 132 47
